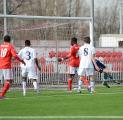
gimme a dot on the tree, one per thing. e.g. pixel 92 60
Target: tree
pixel 107 19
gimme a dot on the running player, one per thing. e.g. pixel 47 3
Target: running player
pixel 73 61
pixel 7 51
pixel 86 68
pixel 29 71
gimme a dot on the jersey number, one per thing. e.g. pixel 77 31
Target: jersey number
pixel 85 51
pixel 3 52
pixel 28 55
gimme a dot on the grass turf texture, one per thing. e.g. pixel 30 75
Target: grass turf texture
pixel 105 102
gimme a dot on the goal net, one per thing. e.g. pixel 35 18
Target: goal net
pixel 51 39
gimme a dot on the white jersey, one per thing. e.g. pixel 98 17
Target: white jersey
pixel 85 53
pixel 28 54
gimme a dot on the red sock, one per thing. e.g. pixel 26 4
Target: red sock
pixel 69 84
pixel 5 88
pixel 85 81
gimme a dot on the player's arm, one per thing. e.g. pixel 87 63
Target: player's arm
pixel 14 54
pixel 37 64
pixel 36 60
pixel 68 56
pixel 65 58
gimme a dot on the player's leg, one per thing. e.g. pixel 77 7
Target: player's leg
pixel 33 75
pixel 24 79
pixel 90 74
pixel 70 79
pixel 92 83
pixel 105 80
pixel 107 75
pixel 80 82
pixel 85 82
pixel 36 86
pixel 8 77
pixel 103 69
pixel 71 75
pixel 81 73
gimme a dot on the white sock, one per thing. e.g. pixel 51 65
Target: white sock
pixel 35 85
pixel 79 84
pixel 92 85
pixel 24 88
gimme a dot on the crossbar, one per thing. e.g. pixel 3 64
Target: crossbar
pixel 46 17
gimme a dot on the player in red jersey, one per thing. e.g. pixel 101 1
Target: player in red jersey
pixel 73 61
pixel 7 51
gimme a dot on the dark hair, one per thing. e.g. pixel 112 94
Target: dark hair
pixel 7 38
pixel 73 40
pixel 27 43
pixel 87 40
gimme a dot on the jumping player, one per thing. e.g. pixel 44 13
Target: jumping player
pixel 29 56
pixel 86 68
pixel 73 61
pixel 103 69
pixel 7 51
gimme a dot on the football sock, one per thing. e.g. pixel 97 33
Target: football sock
pixel 24 88
pixel 5 88
pixel 80 84
pixel 69 84
pixel 92 85
pixel 85 81
pixel 35 85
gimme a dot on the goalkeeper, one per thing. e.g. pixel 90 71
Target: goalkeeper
pixel 106 71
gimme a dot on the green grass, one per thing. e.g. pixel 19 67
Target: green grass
pixel 105 102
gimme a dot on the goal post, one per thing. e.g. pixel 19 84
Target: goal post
pixel 50 36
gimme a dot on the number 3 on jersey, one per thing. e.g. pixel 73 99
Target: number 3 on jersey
pixel 85 51
pixel 3 52
pixel 28 55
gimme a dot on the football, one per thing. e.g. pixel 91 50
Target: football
pixel 59 59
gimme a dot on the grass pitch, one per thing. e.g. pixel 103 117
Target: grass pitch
pixel 106 103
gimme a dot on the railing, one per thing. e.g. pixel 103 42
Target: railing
pixel 55 75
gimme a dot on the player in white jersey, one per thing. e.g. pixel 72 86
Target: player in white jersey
pixel 86 67
pixel 29 70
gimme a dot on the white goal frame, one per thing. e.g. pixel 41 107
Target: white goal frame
pixel 90 19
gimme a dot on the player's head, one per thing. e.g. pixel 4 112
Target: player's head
pixel 7 38
pixel 87 40
pixel 27 43
pixel 73 40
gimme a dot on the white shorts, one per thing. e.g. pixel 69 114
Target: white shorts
pixel 73 70
pixel 86 71
pixel 31 73
pixel 7 74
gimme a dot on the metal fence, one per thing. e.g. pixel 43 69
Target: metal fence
pixel 55 75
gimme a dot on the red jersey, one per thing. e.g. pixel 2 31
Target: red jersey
pixel 6 52
pixel 74 59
